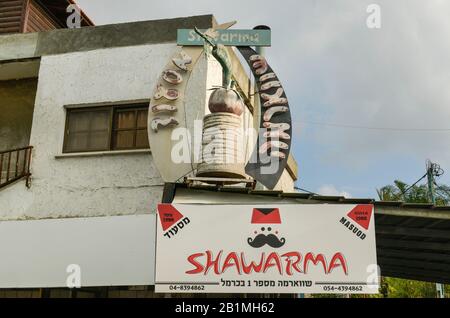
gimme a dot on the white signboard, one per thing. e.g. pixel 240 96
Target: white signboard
pixel 266 249
pixel 98 251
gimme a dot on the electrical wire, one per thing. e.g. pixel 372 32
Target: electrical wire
pixel 375 128
pixel 304 190
pixel 178 180
pixel 437 171
pixel 409 188
pixel 446 192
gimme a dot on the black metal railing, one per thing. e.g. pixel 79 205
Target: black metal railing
pixel 15 165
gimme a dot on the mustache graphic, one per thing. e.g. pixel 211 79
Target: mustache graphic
pixel 260 240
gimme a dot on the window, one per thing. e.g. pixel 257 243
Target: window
pixel 130 129
pixel 106 128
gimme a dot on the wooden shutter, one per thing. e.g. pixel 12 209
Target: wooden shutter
pixel 38 19
pixel 11 16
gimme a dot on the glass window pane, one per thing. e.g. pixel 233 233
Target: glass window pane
pixel 88 130
pixel 124 139
pixel 142 118
pixel 77 142
pixel 79 121
pixel 99 140
pixel 142 139
pixel 100 120
pixel 125 120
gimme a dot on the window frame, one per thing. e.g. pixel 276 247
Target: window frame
pixel 111 129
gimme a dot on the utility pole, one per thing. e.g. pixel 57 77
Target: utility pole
pixel 430 178
pixel 432 171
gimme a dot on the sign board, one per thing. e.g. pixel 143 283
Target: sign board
pixel 266 249
pixel 104 251
pixel 227 37
pixel 266 167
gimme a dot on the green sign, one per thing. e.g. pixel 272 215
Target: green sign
pixel 227 37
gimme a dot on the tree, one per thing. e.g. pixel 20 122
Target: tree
pixel 404 288
pixel 416 194
pixel 400 191
pixel 391 287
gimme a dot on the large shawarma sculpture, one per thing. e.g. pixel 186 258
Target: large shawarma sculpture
pixel 222 154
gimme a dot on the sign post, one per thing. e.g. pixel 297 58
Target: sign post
pixel 230 37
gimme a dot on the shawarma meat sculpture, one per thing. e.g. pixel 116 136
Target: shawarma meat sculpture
pixel 226 107
pixel 275 140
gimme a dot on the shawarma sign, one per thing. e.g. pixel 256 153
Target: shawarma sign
pixel 222 138
pixel 266 249
pixel 227 37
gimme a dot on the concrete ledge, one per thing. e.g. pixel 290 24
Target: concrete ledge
pixel 20 46
pixel 116 35
pixel 103 153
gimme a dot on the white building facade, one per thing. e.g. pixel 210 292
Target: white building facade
pixel 90 207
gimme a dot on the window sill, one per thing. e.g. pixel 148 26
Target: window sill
pixel 103 153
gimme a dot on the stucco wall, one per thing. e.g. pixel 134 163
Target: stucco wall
pixel 286 183
pixel 120 184
pixel 16 112
pixel 98 185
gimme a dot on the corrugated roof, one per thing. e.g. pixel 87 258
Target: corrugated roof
pixel 413 240
pixel 307 196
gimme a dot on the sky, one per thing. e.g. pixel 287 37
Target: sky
pixel 369 105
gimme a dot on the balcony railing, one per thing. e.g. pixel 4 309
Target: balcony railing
pixel 15 165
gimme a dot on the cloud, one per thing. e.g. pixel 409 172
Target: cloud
pixel 329 189
pixel 395 77
pixel 336 70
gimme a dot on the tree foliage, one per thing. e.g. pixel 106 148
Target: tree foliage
pixel 401 191
pixel 391 287
pixel 417 194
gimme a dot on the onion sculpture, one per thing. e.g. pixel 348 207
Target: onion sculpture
pixel 225 100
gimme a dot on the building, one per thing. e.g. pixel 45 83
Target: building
pixel 65 162
pixel 24 16
pixel 78 182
